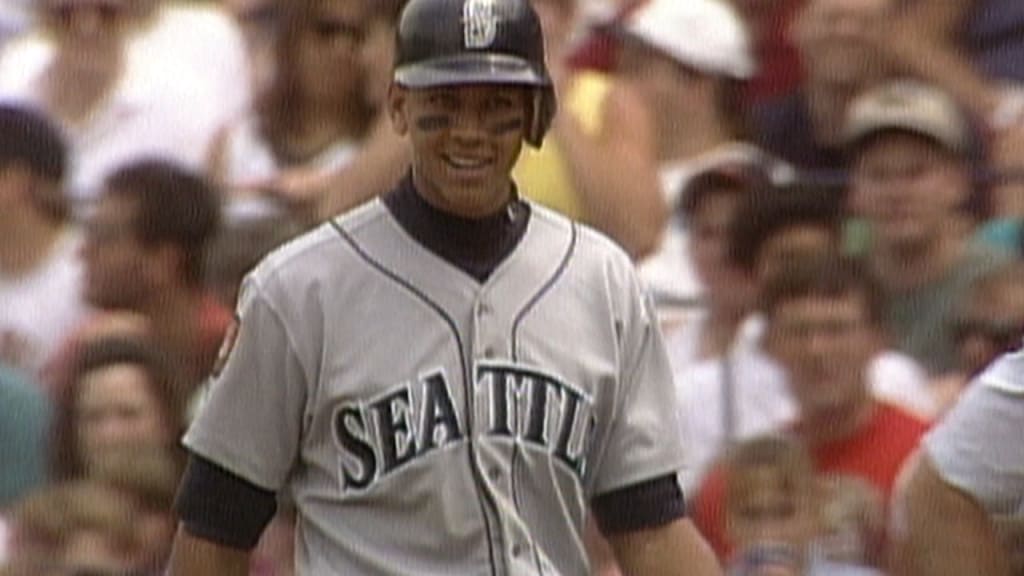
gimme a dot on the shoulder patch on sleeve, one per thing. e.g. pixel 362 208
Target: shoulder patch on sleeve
pixel 226 346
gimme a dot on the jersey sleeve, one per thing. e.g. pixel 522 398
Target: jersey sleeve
pixel 643 441
pixel 250 422
pixel 977 446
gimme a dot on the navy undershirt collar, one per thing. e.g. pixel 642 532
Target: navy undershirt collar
pixel 475 246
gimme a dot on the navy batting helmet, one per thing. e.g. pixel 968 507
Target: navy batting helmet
pixel 454 42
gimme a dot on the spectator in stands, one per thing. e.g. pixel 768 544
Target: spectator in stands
pixel 40 276
pixel 14 19
pixel 992 321
pixel 805 126
pixel 127 79
pixel 598 163
pixel 779 70
pixel 912 177
pixel 260 23
pixel 145 253
pixel 974 51
pixel 988 323
pixel 378 157
pixel 313 114
pixel 691 83
pixel 123 399
pixel 775 509
pixel 727 387
pixel 24 432
pixel 772 230
pixel 854 521
pixel 74 528
pixel 148 479
pixel 964 491
pixel 822 316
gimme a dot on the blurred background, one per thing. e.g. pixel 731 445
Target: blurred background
pixel 824 199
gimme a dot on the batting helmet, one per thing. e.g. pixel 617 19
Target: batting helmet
pixel 456 42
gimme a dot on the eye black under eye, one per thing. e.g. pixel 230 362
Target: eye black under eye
pixel 444 100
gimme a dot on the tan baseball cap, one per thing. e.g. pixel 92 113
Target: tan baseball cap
pixel 910 106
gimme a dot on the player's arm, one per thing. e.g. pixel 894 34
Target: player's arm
pixel 674 548
pixel 198 557
pixel 222 517
pixel 943 531
pixel 647 530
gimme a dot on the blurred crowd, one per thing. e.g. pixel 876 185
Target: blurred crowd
pixel 824 198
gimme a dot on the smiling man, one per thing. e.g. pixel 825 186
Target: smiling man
pixel 447 378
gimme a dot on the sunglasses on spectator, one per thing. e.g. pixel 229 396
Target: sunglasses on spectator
pixel 1003 334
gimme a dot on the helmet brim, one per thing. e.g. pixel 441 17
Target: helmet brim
pixel 471 68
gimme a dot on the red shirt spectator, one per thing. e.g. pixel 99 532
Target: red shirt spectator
pixel 875 454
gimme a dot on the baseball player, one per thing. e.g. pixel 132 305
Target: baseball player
pixel 445 379
pixel 961 510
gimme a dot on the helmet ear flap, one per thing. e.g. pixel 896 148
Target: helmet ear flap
pixel 542 112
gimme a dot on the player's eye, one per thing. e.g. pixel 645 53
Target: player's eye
pixel 443 100
pixel 501 104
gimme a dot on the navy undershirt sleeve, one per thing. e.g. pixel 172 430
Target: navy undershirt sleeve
pixel 214 504
pixel 652 503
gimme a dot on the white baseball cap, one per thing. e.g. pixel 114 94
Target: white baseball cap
pixel 707 35
pixel 910 106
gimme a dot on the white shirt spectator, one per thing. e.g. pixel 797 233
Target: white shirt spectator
pixel 249 162
pixel 184 78
pixel 13 19
pixel 668 273
pixel 758 396
pixel 41 308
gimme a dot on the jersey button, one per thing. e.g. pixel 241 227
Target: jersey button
pixel 517 550
pixel 494 473
pixel 490 352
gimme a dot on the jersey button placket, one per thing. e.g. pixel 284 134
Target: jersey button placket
pixel 494 473
pixel 483 314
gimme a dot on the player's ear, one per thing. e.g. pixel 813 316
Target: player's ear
pixel 397 111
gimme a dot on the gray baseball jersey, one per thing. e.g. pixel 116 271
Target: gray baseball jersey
pixel 977 446
pixel 425 423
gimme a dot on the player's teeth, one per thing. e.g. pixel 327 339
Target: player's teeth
pixel 466 162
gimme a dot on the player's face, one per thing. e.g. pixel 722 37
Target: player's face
pixel 909 188
pixel 825 344
pixel 115 411
pixel 114 257
pixel 465 141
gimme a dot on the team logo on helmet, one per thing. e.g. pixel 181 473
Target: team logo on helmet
pixel 479 23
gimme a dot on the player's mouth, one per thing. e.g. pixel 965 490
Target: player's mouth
pixel 465 163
